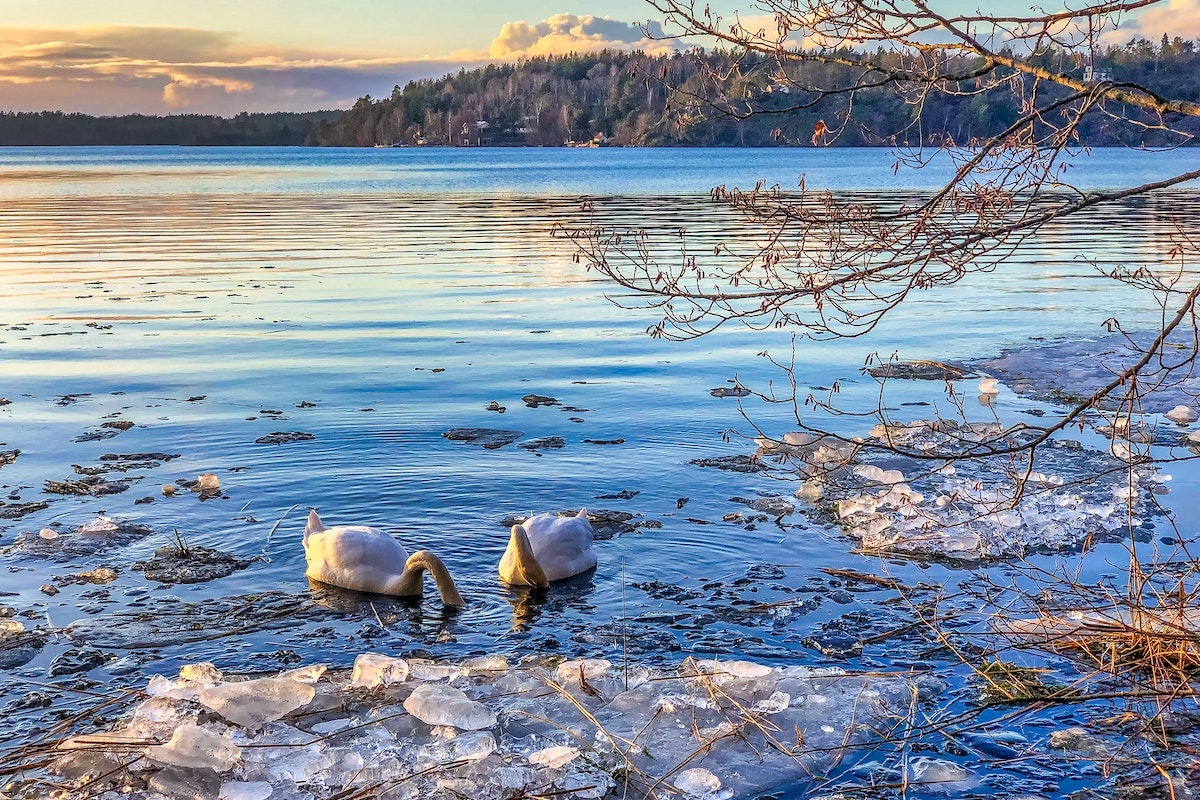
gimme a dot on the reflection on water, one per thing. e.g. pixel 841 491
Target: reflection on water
pixel 242 304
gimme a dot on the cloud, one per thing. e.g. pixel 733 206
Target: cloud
pixel 570 33
pixel 121 70
pixel 1175 18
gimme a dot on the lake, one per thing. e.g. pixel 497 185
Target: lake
pixel 375 300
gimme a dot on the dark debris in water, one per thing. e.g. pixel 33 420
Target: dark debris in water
pixel 536 400
pixel 18 510
pixel 18 650
pixel 67 545
pixel 734 463
pixel 166 621
pixel 487 438
pixel 919 371
pixel 544 443
pixel 185 563
pixel 285 437
pixel 774 506
pixel 624 494
pixel 730 391
pixel 123 462
pixel 606 523
pixel 90 485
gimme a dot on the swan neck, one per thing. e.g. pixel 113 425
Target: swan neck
pixel 528 569
pixel 423 561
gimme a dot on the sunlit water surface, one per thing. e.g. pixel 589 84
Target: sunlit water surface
pixel 377 299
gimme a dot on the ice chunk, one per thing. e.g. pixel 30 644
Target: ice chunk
pixel 1078 740
pixel 485 664
pixel 591 669
pixel 1181 415
pixel 941 776
pixel 245 790
pixel 284 753
pixel 439 704
pixel 253 703
pixel 99 525
pixel 728 670
pixel 309 674
pixel 424 670
pixel 373 669
pixel 157 718
pixel 196 747
pixel 48 533
pixel 467 747
pixel 554 757
pixel 181 783
pixel 200 672
pixel 698 783
pixel 777 702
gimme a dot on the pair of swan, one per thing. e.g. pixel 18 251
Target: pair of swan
pixel 541 549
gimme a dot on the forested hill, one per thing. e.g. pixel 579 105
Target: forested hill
pixel 58 128
pixel 624 97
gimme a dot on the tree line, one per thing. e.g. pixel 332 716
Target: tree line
pixel 720 98
pixel 717 98
pixel 59 128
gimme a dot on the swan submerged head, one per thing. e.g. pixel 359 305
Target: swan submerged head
pixel 368 559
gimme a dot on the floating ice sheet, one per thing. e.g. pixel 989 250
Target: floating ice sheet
pixel 969 509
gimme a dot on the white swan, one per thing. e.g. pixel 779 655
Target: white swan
pixel 370 560
pixel 548 548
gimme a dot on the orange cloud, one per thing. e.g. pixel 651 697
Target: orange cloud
pixel 118 70
pixel 1174 18
pixel 570 33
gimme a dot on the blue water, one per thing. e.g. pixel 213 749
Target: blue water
pixel 399 292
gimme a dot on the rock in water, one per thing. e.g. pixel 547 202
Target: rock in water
pixel 439 704
pixel 252 704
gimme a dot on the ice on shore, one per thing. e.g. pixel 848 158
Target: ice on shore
pixel 253 703
pixel 440 704
pixel 705 730
pixel 199 748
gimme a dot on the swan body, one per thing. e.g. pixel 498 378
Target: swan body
pixel 988 386
pixel 369 560
pixel 547 548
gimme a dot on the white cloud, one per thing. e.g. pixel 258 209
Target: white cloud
pixel 571 33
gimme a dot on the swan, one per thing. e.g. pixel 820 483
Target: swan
pixel 988 386
pixel 370 560
pixel 548 548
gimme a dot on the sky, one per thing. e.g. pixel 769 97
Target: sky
pixel 226 56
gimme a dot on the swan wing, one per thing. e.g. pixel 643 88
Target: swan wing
pixel 355 557
pixel 563 546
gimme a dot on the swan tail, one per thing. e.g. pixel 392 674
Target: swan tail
pixel 314 526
